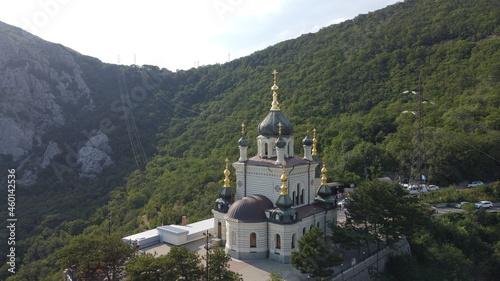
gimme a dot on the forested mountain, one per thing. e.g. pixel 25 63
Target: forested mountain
pixel 168 133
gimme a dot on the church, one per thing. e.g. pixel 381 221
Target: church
pixel 279 195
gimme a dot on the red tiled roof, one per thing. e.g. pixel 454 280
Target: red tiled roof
pixel 308 210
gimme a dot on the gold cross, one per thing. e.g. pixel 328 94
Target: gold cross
pixel 280 125
pixel 275 72
pixel 242 128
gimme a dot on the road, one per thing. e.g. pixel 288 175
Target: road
pixel 441 210
pixel 444 210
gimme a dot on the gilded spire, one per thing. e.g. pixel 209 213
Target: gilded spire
pixel 279 126
pixel 284 178
pixel 323 172
pixel 226 173
pixel 242 129
pixel 315 142
pixel 275 105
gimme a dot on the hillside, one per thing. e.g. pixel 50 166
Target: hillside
pixel 169 133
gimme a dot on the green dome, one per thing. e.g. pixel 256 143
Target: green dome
pixel 243 142
pixel 307 140
pixel 281 142
pixel 269 126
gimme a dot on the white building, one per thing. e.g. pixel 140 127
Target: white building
pixel 279 196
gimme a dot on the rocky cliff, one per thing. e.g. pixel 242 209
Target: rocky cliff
pixel 41 85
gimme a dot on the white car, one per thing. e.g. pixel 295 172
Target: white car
pixel 474 184
pixel 484 204
pixel 461 204
pixel 433 187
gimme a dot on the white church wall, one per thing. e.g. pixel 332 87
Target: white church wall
pixel 266 181
pixel 238 244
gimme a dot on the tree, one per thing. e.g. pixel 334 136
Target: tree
pixel 96 256
pixel 187 264
pixel 218 267
pixel 384 212
pixel 315 256
pixel 276 276
pixel 150 268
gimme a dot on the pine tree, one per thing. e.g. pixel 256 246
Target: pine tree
pixel 315 256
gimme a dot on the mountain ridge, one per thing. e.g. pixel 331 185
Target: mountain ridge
pixel 169 132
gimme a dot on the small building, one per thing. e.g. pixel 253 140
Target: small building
pixel 172 234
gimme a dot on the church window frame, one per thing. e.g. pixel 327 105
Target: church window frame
pixel 233 238
pixel 253 240
pixel 296 195
pixel 293 240
pixel 278 241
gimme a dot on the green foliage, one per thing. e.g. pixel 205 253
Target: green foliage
pixel 453 195
pixel 181 264
pixel 218 266
pixel 147 267
pixel 96 256
pixel 384 211
pixel 345 80
pixel 315 256
pixel 276 276
pixel 458 246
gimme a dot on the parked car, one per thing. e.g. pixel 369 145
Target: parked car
pixel 415 188
pixel 343 204
pixel 474 184
pixel 433 187
pixel 484 204
pixel 461 204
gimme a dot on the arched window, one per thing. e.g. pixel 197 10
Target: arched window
pixel 253 240
pixel 278 241
pixel 296 195
pixel 266 150
pixel 302 196
pixel 317 225
pixel 219 230
pixel 293 241
pixel 293 197
pixel 233 238
pixel 303 231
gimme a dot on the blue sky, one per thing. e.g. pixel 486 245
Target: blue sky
pixel 177 34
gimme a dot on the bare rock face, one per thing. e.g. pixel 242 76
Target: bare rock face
pixel 51 151
pixel 15 140
pixel 38 80
pixel 93 157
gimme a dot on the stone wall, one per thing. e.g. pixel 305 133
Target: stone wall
pixel 373 266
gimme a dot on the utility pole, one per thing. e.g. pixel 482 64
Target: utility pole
pixel 418 161
pixel 207 248
pixel 418 150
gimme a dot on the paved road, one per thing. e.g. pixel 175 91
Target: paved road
pixel 444 210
